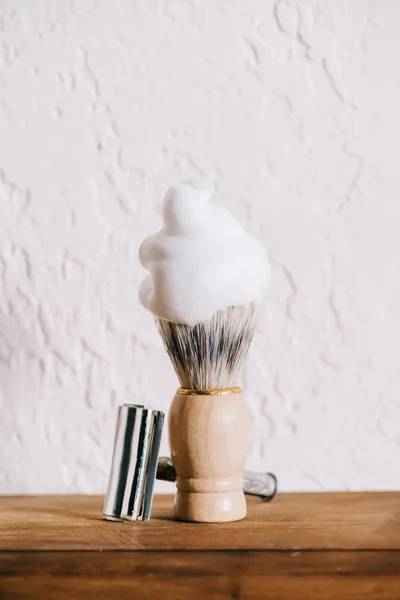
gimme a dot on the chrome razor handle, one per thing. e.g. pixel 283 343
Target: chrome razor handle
pixel 263 485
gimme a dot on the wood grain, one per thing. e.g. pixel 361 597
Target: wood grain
pixel 301 546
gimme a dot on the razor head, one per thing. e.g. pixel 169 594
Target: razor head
pixel 134 464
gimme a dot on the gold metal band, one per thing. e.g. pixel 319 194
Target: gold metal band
pixel 220 392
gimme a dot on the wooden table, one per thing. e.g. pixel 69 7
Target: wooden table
pixel 300 546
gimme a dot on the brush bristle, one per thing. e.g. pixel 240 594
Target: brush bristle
pixel 210 355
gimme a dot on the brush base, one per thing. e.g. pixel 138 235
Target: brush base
pixel 209 438
pixel 210 508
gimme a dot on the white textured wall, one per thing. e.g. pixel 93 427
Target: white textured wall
pixel 292 109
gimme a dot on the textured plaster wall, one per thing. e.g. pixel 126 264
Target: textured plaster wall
pixel 292 109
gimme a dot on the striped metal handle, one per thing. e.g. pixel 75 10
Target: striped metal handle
pixel 263 485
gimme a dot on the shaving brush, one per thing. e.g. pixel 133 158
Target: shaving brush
pixel 209 423
pixel 205 277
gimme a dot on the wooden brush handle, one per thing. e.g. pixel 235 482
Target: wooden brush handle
pixel 209 438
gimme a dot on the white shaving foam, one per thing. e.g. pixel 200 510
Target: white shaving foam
pixel 201 261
